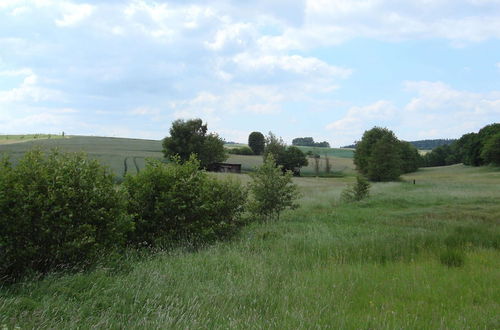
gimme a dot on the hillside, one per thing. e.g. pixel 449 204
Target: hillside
pixel 124 155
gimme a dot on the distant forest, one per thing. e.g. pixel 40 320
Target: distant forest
pixel 423 144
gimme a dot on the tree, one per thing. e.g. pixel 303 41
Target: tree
pixel 257 142
pixel 491 150
pixel 382 157
pixel 190 137
pixel 289 158
pixel 272 190
pixel 309 142
pixel 385 160
pixel 293 159
pixel 275 146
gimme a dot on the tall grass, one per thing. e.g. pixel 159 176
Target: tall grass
pixel 373 264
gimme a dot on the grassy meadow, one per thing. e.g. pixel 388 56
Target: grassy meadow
pixel 415 256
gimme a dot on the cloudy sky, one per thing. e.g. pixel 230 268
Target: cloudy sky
pixel 324 68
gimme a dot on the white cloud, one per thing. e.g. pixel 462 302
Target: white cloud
pixel 291 63
pixel 437 111
pixel 73 14
pixel 358 119
pixel 29 90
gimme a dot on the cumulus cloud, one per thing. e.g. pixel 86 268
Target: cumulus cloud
pixel 437 110
pixel 140 62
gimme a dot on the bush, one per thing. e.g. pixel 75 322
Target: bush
pixel 240 151
pixel 272 189
pixel 178 202
pixel 356 192
pixel 57 211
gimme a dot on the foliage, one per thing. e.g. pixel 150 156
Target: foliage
pixel 293 159
pixel 246 151
pixel 470 149
pixel 275 146
pixel 190 137
pixel 57 210
pixel 430 144
pixel 257 142
pixel 491 150
pixel 382 157
pixel 272 190
pixel 289 158
pixel 178 202
pixel 410 158
pixel 356 192
pixel 309 142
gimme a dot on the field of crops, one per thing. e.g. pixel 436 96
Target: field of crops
pixel 129 155
pixel 120 155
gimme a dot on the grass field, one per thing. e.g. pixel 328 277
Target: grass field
pixel 380 263
pixel 129 155
pixel 10 139
pixel 120 155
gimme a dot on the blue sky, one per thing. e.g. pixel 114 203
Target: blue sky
pixel 329 69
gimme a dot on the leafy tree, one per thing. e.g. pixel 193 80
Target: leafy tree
pixel 190 137
pixel 293 159
pixel 257 142
pixel 275 146
pixel 369 156
pixel 410 158
pixel 385 160
pixel 272 190
pixel 289 158
pixel 491 150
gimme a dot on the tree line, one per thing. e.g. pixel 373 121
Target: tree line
pixel 309 142
pixel 475 149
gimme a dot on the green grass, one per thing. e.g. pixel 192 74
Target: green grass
pixel 389 261
pixel 111 152
pixel 9 139
pixel 129 155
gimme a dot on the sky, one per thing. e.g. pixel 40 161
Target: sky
pixel 329 69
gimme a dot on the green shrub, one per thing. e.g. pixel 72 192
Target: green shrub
pixel 178 202
pixel 241 151
pixel 272 190
pixel 57 210
pixel 357 191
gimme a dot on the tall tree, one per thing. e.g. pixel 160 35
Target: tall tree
pixel 257 142
pixel 190 137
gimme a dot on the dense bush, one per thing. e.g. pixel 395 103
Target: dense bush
pixel 177 202
pixel 240 151
pixel 382 157
pixel 57 210
pixel 272 190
